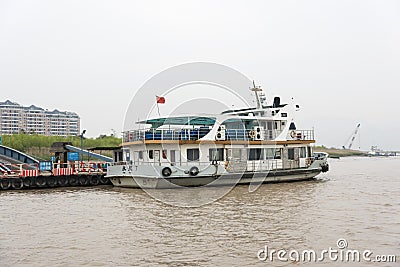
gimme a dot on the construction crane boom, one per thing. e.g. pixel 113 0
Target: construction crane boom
pixel 352 137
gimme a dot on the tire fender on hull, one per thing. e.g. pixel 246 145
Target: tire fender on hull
pixel 194 171
pixel 40 181
pixel 17 183
pixel 166 172
pixel 5 183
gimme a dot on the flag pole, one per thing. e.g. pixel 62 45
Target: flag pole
pixel 158 109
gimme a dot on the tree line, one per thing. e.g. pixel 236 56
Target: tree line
pixel 24 142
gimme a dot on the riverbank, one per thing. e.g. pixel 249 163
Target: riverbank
pixel 335 152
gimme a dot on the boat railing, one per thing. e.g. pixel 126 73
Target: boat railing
pixel 198 133
pixel 165 134
pixel 250 134
pixel 304 135
pixel 19 169
pixel 264 165
pixel 82 166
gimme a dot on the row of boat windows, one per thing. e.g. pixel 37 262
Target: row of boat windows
pixel 222 154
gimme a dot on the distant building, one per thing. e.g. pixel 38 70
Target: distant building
pixel 15 118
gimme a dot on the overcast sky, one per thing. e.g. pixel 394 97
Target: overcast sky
pixel 339 59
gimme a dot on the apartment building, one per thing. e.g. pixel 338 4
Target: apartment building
pixel 15 118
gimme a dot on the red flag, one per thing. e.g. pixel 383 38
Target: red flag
pixel 160 99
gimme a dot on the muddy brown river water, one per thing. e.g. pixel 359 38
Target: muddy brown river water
pixel 358 202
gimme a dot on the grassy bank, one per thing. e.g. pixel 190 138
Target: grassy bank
pixel 39 145
pixel 335 152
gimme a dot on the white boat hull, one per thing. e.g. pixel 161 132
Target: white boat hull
pixel 220 180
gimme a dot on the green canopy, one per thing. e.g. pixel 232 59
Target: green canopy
pixel 185 120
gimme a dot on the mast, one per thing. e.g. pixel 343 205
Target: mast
pixel 256 89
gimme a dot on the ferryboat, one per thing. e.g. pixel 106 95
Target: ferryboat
pixel 258 144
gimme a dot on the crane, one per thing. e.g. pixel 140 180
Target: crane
pixel 352 137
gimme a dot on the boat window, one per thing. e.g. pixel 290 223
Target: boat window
pixel 243 154
pixel 118 156
pixel 256 154
pixel 135 156
pixel 216 154
pixel 172 156
pixel 156 154
pixel 291 153
pixel 164 154
pixel 140 154
pixel 151 156
pixel 270 153
pixel 269 125
pixel 193 154
pixel 278 154
pixel 309 152
pixel 237 154
pixel 303 152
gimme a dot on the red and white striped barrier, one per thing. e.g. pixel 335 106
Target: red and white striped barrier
pixel 28 173
pixel 63 171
